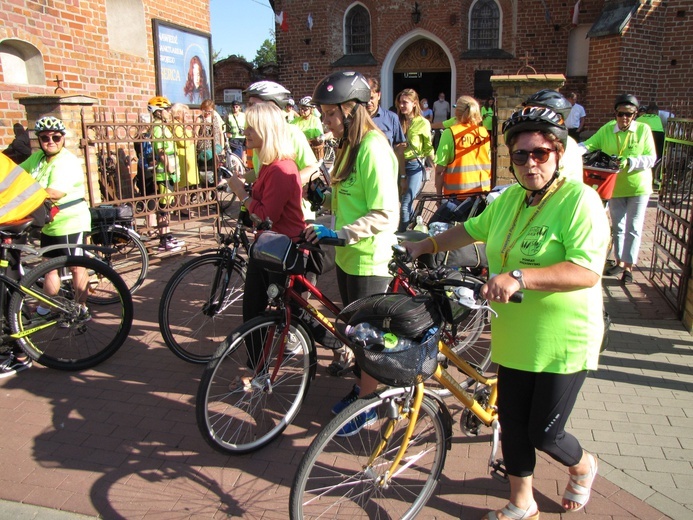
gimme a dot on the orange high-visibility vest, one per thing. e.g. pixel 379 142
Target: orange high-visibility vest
pixel 470 170
pixel 249 158
pixel 20 194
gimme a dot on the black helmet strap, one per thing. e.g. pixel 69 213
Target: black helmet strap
pixel 541 191
pixel 346 122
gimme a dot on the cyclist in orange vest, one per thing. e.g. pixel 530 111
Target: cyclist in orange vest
pixel 463 157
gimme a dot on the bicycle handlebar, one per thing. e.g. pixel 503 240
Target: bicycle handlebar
pixel 432 280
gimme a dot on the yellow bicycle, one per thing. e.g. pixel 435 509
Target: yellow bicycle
pixel 391 466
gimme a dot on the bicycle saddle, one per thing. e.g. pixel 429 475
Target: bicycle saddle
pixel 16 228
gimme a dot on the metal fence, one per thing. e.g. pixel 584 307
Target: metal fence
pixel 671 260
pixel 121 166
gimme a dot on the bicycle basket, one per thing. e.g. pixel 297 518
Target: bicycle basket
pixel 401 367
pixel 276 252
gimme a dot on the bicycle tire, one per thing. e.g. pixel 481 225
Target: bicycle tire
pixel 236 419
pixel 130 259
pixel 188 325
pixel 235 165
pixel 73 342
pixel 340 465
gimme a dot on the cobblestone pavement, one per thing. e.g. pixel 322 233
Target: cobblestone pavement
pixel 120 441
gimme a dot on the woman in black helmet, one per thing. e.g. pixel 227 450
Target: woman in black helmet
pixel 571 162
pixel 546 236
pixel 364 201
pixel 634 145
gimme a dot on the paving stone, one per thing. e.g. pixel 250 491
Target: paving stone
pixel 121 440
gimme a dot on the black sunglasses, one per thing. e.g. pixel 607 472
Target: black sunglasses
pixel 625 114
pixel 48 138
pixel 540 155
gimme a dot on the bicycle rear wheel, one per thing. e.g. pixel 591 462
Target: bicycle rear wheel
pixel 71 337
pixel 338 479
pixel 129 259
pixel 200 304
pixel 236 418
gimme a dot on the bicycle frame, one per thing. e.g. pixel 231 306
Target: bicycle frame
pixel 290 294
pixel 487 414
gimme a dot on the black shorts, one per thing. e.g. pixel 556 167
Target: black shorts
pixel 74 238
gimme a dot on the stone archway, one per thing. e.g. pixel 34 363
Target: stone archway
pixel 426 54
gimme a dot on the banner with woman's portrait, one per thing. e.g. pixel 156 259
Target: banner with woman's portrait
pixel 183 63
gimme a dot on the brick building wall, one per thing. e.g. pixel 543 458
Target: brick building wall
pixel 651 57
pixel 528 31
pixel 72 37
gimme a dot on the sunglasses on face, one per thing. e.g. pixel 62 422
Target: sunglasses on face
pixel 625 114
pixel 49 138
pixel 540 155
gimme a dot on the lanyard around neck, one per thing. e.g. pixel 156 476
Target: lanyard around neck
pixel 507 245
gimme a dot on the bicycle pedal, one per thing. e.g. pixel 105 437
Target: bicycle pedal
pixel 499 472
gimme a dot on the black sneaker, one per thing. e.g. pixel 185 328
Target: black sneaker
pixel 614 270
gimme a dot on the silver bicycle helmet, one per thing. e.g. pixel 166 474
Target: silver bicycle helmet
pixel 269 91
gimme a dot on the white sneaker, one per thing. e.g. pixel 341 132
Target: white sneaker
pixel 12 366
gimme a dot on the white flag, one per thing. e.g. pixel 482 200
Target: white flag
pixel 576 12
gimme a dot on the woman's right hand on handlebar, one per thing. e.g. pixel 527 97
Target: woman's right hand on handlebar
pixel 500 288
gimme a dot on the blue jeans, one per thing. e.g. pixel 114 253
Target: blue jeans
pixel 627 221
pixel 414 171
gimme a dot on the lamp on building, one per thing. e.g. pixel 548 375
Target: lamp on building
pixel 416 13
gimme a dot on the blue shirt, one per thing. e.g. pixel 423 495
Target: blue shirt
pixel 388 122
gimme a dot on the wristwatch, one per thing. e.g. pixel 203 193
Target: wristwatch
pixel 517 274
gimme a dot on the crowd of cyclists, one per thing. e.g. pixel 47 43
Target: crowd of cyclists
pixel 382 161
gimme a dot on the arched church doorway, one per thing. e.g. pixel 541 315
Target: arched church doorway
pixel 425 67
pixel 420 60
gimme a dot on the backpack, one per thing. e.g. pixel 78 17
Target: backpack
pixel 145 156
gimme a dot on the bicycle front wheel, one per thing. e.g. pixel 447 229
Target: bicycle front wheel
pixel 200 304
pixel 240 410
pixel 75 334
pixel 129 257
pixel 344 477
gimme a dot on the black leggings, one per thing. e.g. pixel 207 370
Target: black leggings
pixel 533 409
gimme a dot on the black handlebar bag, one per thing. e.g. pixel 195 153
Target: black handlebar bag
pixel 403 315
pixel 277 253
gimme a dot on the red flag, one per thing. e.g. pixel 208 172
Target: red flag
pixel 281 20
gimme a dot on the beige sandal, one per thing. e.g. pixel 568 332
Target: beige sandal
pixel 342 363
pixel 241 384
pixel 580 494
pixel 513 512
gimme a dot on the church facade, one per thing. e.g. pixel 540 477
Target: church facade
pixel 603 47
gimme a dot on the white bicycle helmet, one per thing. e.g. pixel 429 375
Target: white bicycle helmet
pixel 269 91
pixel 49 123
pixel 306 101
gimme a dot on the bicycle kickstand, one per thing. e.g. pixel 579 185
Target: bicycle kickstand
pixel 497 466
